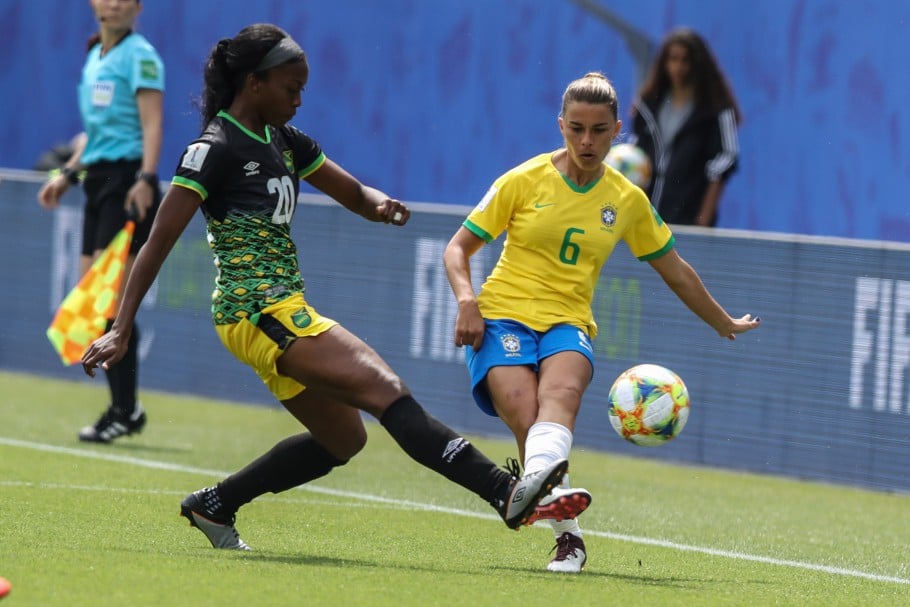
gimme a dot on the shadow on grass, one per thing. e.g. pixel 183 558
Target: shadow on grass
pixel 311 560
pixel 315 560
pixel 671 582
pixel 645 580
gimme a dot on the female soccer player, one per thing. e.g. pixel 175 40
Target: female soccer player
pixel 120 97
pixel 528 333
pixel 244 172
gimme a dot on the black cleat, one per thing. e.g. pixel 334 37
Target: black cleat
pixel 201 508
pixel 114 424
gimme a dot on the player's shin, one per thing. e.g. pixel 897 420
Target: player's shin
pixel 436 446
pixel 290 463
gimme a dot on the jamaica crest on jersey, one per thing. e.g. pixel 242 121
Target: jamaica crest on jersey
pixel 288 157
pixel 607 216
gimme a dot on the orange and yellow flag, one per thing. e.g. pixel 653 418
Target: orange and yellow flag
pixel 83 315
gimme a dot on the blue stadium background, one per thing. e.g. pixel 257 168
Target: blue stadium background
pixel 431 99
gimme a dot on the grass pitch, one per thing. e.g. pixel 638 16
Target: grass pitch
pixel 98 525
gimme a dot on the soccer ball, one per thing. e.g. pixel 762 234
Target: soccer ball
pixel 649 405
pixel 631 161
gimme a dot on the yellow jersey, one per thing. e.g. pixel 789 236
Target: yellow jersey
pixel 558 236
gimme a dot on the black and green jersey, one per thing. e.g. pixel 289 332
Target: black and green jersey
pixel 249 186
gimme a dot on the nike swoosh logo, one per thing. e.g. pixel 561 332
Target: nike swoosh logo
pixel 537 205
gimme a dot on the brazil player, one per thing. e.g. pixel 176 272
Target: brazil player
pixel 120 99
pixel 243 172
pixel 528 332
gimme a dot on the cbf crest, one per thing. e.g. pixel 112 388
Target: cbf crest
pixel 511 344
pixel 608 215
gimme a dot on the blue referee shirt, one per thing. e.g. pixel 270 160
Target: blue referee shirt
pixel 107 97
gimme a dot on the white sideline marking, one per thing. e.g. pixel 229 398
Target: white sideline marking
pixel 407 504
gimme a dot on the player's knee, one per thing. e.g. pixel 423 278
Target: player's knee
pixel 559 402
pixel 356 442
pixel 349 445
pixel 384 396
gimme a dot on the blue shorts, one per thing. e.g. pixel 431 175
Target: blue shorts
pixel 509 343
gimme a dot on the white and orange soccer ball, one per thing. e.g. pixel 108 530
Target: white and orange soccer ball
pixel 649 405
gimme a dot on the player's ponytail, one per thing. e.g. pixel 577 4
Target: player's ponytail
pixel 219 90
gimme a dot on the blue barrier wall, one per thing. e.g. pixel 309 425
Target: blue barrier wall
pixel 433 99
pixel 820 391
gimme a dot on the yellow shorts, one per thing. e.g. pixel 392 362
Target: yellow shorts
pixel 261 339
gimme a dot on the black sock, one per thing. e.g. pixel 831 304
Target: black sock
pixel 292 462
pixel 439 448
pixel 122 377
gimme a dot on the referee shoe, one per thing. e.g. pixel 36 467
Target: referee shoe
pixel 112 424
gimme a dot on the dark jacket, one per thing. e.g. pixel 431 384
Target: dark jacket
pixel 705 149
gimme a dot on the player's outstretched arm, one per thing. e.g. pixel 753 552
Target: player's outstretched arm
pixel 367 202
pixel 685 282
pixel 175 213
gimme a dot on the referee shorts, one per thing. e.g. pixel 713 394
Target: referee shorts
pixel 106 185
pixel 259 340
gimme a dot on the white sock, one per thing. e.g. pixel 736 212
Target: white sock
pixel 546 443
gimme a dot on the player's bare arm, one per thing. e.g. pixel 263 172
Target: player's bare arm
pixel 368 202
pixel 469 325
pixel 688 286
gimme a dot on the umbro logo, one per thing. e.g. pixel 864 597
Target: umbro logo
pixel 455 446
pixel 519 495
pixel 251 168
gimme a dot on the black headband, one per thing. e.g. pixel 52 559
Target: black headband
pixel 286 50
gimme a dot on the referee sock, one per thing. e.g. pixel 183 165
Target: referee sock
pixel 431 443
pixel 122 377
pixel 292 462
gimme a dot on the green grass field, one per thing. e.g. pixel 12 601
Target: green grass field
pixel 98 525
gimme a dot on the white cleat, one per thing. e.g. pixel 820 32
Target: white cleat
pixel 526 493
pixel 570 554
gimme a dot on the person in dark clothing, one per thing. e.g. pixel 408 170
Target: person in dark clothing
pixel 685 119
